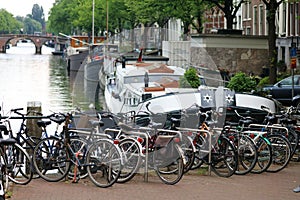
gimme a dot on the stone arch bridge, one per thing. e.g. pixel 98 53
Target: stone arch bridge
pixel 38 40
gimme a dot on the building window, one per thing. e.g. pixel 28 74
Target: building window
pixel 254 20
pixel 248 30
pixel 284 18
pixel 292 20
pixel 261 19
pixel 247 11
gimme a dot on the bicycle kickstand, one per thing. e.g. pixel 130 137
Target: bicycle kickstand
pixel 75 177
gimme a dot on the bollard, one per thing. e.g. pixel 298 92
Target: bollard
pixel 34 107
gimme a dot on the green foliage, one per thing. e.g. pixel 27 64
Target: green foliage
pixel 264 81
pixel 70 16
pixel 31 25
pixel 240 82
pixel 62 17
pixel 8 24
pixel 38 14
pixel 190 79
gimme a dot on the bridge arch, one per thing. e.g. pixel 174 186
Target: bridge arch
pixel 38 41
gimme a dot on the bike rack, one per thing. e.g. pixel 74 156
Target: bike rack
pixel 274 126
pixel 209 142
pixel 144 135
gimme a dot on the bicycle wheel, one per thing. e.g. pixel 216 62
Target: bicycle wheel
pixel 132 156
pixel 264 159
pixel 104 163
pixel 247 154
pixel 189 152
pixel 29 144
pixel 169 166
pixel 224 158
pixel 78 147
pixel 281 152
pixel 50 159
pixel 19 164
pixel 293 138
pixel 4 183
pixel 201 146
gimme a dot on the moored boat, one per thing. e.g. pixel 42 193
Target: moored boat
pixel 134 82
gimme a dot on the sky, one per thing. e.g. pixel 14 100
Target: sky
pixel 24 7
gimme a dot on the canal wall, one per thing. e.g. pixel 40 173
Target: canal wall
pixel 232 53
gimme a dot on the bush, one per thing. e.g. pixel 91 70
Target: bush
pixel 190 79
pixel 240 82
pixel 264 81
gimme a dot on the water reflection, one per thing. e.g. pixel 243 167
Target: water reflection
pixel 27 77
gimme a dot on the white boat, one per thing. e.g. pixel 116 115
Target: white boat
pixel 134 83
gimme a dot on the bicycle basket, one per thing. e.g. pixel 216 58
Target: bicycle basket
pixel 165 149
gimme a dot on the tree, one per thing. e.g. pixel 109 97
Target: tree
pixel 62 17
pixel 272 6
pixel 229 8
pixel 38 15
pixel 31 25
pixel 8 24
pixel 200 6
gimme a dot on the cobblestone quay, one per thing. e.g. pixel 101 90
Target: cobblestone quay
pixel 266 186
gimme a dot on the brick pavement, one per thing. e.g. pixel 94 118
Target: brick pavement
pixel 266 186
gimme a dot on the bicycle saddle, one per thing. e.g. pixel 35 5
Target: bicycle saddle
pixel 42 123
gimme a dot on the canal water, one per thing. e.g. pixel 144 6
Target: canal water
pixel 27 78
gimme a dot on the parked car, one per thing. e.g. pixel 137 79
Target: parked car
pixel 282 91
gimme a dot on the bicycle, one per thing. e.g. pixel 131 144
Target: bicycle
pixel 262 143
pixel 54 156
pixel 275 135
pixel 23 136
pixel 172 121
pixel 145 143
pixel 17 162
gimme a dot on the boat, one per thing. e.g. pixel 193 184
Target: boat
pixel 91 68
pixel 59 48
pixel 57 53
pixel 223 100
pixel 136 80
pixel 78 48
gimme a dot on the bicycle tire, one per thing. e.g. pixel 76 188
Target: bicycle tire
pixel 224 158
pixel 19 164
pixel 200 145
pixel 50 159
pixel 29 144
pixel 4 175
pixel 132 156
pixel 104 163
pixel 293 138
pixel 170 171
pixel 247 154
pixel 264 160
pixel 281 152
pixel 189 152
pixel 78 146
